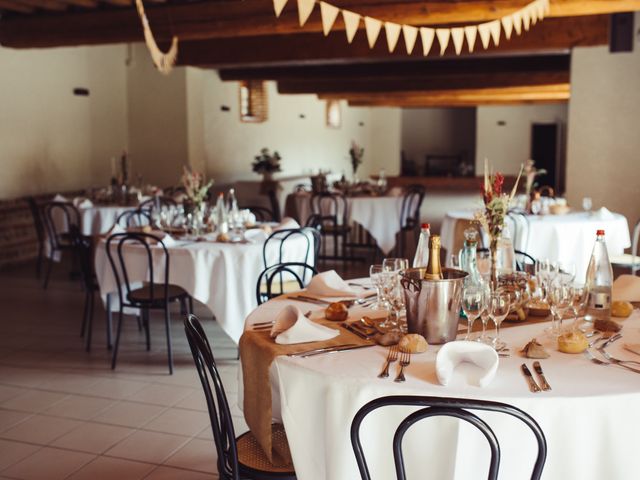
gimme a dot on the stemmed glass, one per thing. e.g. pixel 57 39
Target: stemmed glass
pixel 472 305
pixel 391 294
pixel 560 300
pixel 396 265
pixel 484 313
pixel 579 302
pixel 499 305
pixel 375 274
pixel 566 272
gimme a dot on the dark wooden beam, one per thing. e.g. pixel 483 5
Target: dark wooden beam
pixel 553 34
pixel 232 18
pixel 15 6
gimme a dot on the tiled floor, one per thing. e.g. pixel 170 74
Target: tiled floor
pixel 65 414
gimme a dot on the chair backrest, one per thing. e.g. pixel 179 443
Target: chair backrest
pixel 263 214
pixel 411 203
pixel 36 213
pixel 157 202
pixel 449 407
pixel 219 413
pixel 281 242
pixel 635 244
pixel 125 283
pixel 285 272
pixel 84 253
pixel 134 218
pixel 67 215
pixel 329 209
pixel 524 261
pixel 275 205
pixel 518 223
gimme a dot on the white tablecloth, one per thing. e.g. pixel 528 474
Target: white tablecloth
pixel 557 237
pixel 95 220
pixel 223 276
pixel 590 419
pixel 380 216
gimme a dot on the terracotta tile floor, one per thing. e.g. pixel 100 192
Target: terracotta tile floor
pixel 65 414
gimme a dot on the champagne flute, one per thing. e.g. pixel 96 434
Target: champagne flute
pixel 499 305
pixel 579 302
pixel 484 313
pixel 472 304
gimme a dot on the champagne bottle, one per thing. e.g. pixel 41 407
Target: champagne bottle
pixel 434 271
pixel 421 258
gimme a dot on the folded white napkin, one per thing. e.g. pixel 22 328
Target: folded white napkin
pixel 453 353
pixel 60 198
pixel 82 202
pixel 291 326
pixel 604 213
pixel 256 235
pixel 329 284
pixel 167 239
pixel 287 223
pixel 626 288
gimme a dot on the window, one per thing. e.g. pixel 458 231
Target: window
pixel 253 101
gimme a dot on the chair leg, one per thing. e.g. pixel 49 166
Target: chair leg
pixel 85 312
pixel 109 322
pixel 48 273
pixel 39 260
pixel 90 298
pixel 147 333
pixel 190 304
pixel 114 358
pixel 167 324
pixel 139 319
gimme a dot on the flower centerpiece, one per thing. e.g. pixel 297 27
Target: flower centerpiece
pixel 496 206
pixel 356 153
pixel 195 188
pixel 266 164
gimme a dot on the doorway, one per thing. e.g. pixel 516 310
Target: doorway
pixel 546 151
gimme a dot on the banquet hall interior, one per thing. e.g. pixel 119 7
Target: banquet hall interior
pixel 213 142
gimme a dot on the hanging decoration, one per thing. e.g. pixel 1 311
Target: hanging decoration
pixel 164 62
pixel 518 21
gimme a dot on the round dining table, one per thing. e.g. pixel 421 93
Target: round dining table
pixel 378 215
pixel 553 237
pixel 221 275
pixel 590 417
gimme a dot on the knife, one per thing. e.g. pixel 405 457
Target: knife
pixel 353 329
pixel 543 380
pixel 533 386
pixel 336 348
pixel 304 298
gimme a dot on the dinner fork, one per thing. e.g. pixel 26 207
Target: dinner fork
pixel 392 356
pixel 597 361
pixel 405 360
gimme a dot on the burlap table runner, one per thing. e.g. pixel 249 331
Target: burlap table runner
pixel 257 351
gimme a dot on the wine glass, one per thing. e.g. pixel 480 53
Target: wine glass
pixel 499 305
pixel 390 293
pixel 587 204
pixel 375 274
pixel 560 299
pixel 395 264
pixel 579 302
pixel 566 272
pixel 472 305
pixel 484 313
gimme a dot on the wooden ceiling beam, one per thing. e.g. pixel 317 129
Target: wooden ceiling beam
pixel 15 6
pixel 51 5
pixel 554 34
pixel 232 18
pixel 82 3
pixel 448 102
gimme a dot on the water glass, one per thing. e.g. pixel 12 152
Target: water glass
pixel 579 303
pixel 375 274
pixel 587 204
pixel 560 299
pixel 566 272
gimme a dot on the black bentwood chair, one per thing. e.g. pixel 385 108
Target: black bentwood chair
pixel 447 407
pixel 134 218
pixel 281 241
pixel 59 238
pixel 524 261
pixel 153 294
pixel 240 457
pixel 329 214
pixel 290 276
pixel 38 223
pixel 410 215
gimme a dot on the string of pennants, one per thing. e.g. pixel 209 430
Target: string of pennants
pixel 164 62
pixel 517 22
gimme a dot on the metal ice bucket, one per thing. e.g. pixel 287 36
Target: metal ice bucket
pixel 433 306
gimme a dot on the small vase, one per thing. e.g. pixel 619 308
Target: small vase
pixel 493 248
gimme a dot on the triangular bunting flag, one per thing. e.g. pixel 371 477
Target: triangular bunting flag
pixel 526 18
pixel 547 7
pixel 485 34
pixel 372 26
pixel 494 28
pixel 393 34
pixel 305 7
pixel 540 9
pixel 278 6
pixel 351 23
pixel 507 26
pixel 328 13
pixel 457 34
pixel 517 22
pixel 470 33
pixel 410 35
pixel 443 38
pixel 533 13
pixel 427 35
